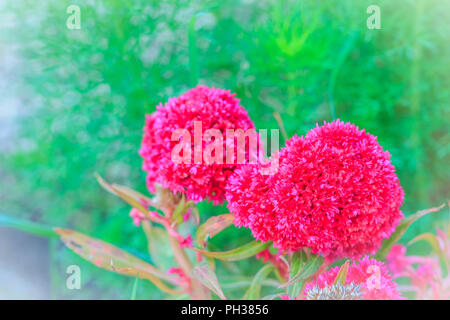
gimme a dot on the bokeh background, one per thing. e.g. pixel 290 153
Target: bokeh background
pixel 72 103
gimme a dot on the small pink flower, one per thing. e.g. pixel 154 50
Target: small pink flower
pixel 370 275
pixel 187 215
pixel 425 275
pixel 137 216
pixel 186 242
pixel 397 262
pixel 183 280
pixel 144 202
pixel 265 255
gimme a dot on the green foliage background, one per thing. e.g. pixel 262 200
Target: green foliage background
pixel 84 94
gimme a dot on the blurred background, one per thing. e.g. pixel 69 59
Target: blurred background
pixel 72 103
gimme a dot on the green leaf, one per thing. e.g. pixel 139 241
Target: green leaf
pixel 213 226
pixel 208 278
pixel 134 291
pixel 196 214
pixel 342 274
pixel 27 226
pixel 243 252
pixel 254 291
pixel 180 210
pixel 302 267
pixel 133 197
pixel 158 246
pixel 110 257
pixel 401 229
pixel 434 242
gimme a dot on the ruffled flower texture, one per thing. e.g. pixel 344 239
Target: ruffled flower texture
pixel 216 109
pixel 335 192
pixel 372 277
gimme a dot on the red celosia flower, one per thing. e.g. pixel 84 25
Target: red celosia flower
pixel 335 192
pixel 426 274
pixel 216 109
pixel 183 280
pixel 397 262
pixel 186 242
pixel 372 277
pixel 247 193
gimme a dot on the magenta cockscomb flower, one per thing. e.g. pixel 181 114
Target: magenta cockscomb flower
pixel 367 279
pixel 335 192
pixel 200 109
pixel 424 273
pixel 247 192
pixel 397 261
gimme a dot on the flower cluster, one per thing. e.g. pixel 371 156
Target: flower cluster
pixel 328 195
pixel 427 280
pixel 215 109
pixel 367 276
pixel 335 192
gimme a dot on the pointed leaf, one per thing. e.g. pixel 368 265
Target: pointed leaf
pixel 306 268
pixel 133 193
pixel 110 257
pixel 196 215
pixel 254 291
pixel 243 252
pixel 158 246
pixel 180 210
pixel 134 291
pixel 208 278
pixel 430 238
pixel 132 197
pixel 27 226
pixel 302 268
pixel 213 226
pixel 342 274
pixel 124 193
pixel 401 229
pixel 434 242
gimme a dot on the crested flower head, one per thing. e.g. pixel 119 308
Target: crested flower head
pixel 214 109
pixel 335 192
pixel 367 279
pixel 246 195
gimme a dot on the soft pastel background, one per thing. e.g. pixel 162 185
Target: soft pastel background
pixel 72 103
